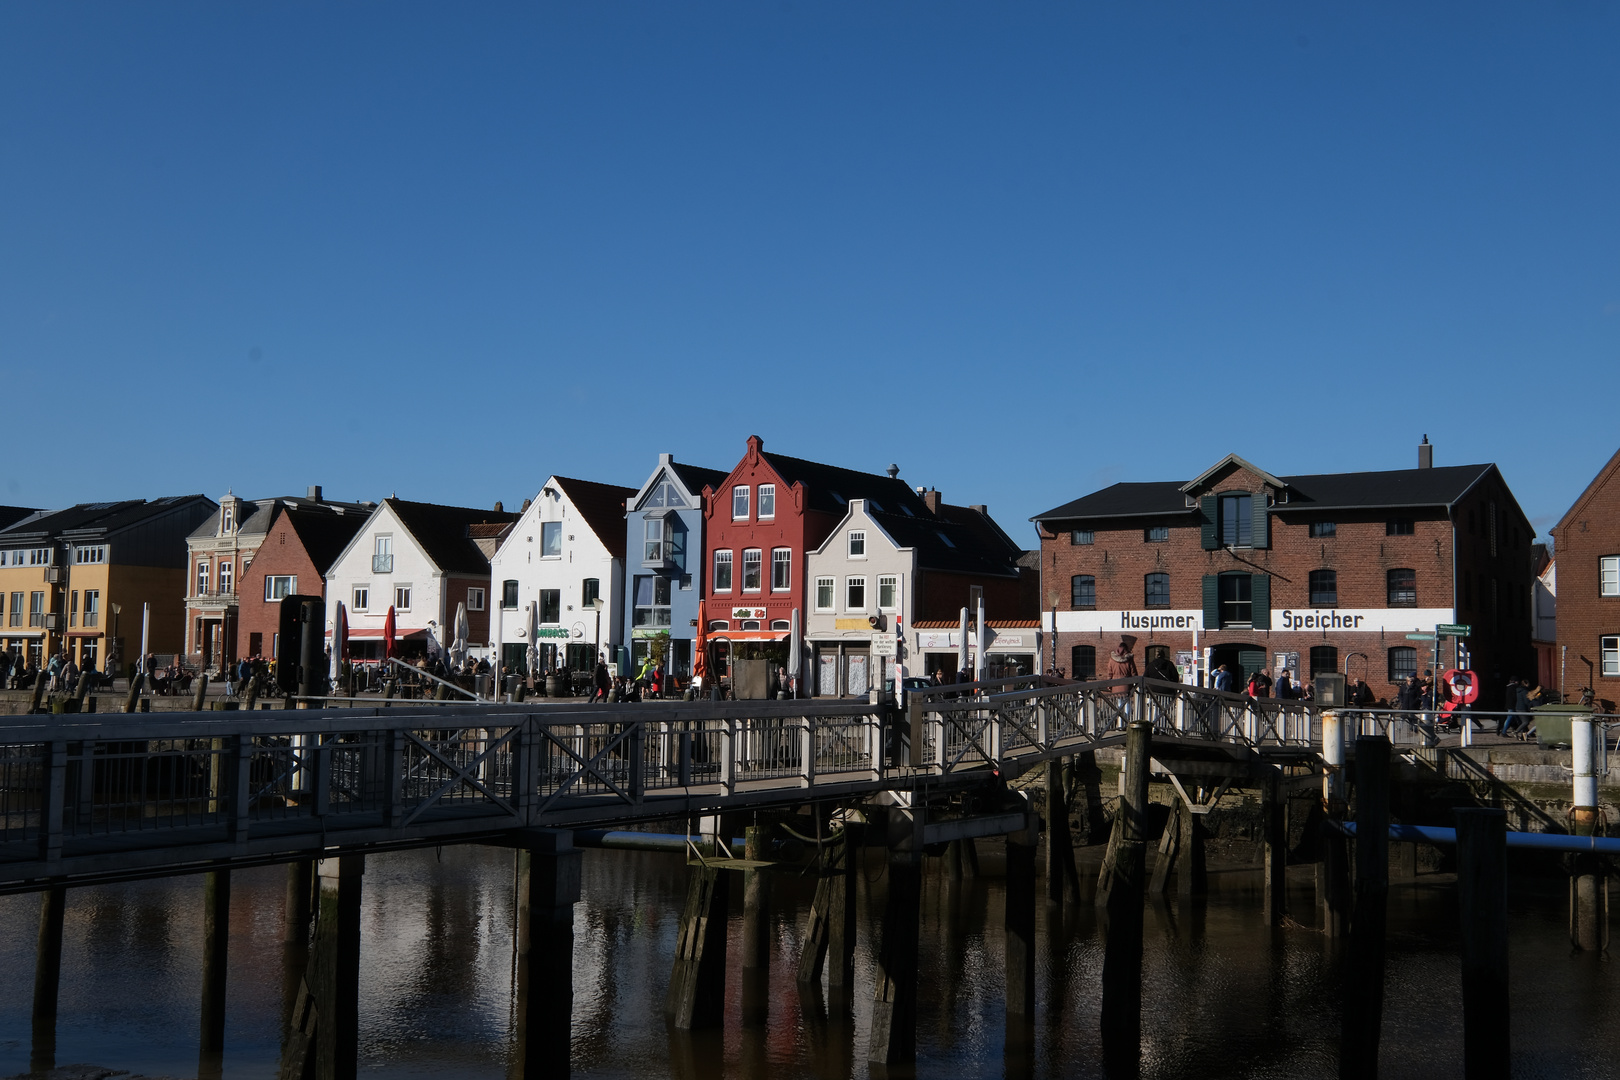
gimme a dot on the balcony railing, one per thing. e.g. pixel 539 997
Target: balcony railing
pixel 382 564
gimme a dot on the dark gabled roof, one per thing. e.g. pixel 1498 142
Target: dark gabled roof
pixel 442 532
pixel 945 545
pixel 602 507
pixel 825 483
pixel 10 515
pixel 92 519
pixel 323 533
pixel 1395 488
pixel 696 477
pixel 256 515
pixel 979 522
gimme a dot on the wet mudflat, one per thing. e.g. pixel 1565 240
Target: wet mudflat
pixel 1224 996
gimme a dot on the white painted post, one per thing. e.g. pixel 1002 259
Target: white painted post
pixel 146 629
pixel 728 756
pixel 1581 730
pixel 1333 758
pixel 807 750
pixel 1181 711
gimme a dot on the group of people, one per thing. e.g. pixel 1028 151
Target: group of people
pixel 63 674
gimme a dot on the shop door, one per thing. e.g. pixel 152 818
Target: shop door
pixel 858 681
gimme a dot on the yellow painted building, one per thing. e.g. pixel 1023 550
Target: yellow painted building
pixel 80 580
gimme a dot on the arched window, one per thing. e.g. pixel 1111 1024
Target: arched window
pixel 1083 662
pixel 1324 588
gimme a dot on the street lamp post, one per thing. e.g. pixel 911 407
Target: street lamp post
pixel 598 605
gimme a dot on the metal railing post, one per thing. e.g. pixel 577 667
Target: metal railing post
pixel 53 798
pixel 240 800
pixel 1181 710
pixel 636 760
pixel 1043 733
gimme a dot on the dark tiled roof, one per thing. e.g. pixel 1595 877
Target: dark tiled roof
pixel 946 545
pixel 257 514
pixel 981 524
pixel 10 515
pixel 1324 491
pixel 696 478
pixel 602 506
pixel 323 533
pixel 93 518
pixel 443 532
pixel 824 483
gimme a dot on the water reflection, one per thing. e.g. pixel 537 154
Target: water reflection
pixel 1224 995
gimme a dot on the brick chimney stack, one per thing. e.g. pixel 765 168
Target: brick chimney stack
pixel 1425 454
pixel 931 498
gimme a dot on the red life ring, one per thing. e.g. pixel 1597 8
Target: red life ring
pixel 1464 686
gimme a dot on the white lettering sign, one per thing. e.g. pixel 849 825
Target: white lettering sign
pixel 1293 620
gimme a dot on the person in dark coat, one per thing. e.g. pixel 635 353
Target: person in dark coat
pixel 1285 686
pixel 602 681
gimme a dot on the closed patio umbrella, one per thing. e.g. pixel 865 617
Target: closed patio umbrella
pixel 389 634
pixel 458 647
pixel 700 648
pixel 795 659
pixel 340 641
pixel 962 650
pixel 534 639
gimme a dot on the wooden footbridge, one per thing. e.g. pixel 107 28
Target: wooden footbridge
pixel 95 798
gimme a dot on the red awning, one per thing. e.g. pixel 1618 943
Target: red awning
pixel 749 635
pixel 377 633
pixel 84 633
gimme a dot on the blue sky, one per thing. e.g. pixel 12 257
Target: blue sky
pixel 1022 250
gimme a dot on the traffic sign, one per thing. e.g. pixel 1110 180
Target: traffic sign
pixel 1454 629
pixel 1419 637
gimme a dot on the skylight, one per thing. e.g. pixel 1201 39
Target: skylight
pixel 945 539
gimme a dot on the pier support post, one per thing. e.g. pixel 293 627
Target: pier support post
pixel 1062 877
pixel 328 1016
pixel 894 999
pixel 1019 921
pixel 1482 900
pixel 830 935
pixel 697 987
pixel 1192 866
pixel 1125 879
pixel 1364 992
pixel 300 886
pixel 550 872
pixel 216 951
pixel 47 977
pixel 1273 809
pixel 1589 889
pixel 756 943
pixel 1333 869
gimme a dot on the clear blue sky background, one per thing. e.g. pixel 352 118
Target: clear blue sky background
pixel 1024 251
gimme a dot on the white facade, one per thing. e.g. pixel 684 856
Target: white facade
pixel 859 574
pixel 547 560
pixel 382 566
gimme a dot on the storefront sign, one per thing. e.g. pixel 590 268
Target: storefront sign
pixel 755 613
pixel 851 624
pixel 1309 620
pixel 1000 641
pixel 550 632
pixel 938 640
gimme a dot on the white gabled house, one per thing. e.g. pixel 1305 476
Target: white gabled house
pixel 565 551
pixel 424 560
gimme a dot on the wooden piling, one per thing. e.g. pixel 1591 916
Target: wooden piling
pixel 1363 1011
pixel 1273 809
pixel 697 986
pixel 133 698
pixel 756 942
pixel 300 887
pixel 1333 879
pixel 549 882
pixel 1062 876
pixel 1126 875
pixel 1482 900
pixel 1019 921
pixel 199 692
pixel 1169 854
pixel 216 950
pixel 47 977
pixel 1192 866
pixel 894 1000
pixel 39 692
pixel 334 969
pixel 1086 784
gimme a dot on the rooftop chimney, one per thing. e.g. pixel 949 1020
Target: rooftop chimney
pixel 314 493
pixel 526 503
pixel 1425 454
pixel 498 507
pixel 931 498
pixel 893 471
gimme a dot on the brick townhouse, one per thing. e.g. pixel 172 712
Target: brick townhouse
pixel 1588 548
pixel 1310 573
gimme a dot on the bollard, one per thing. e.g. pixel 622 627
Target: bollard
pixel 132 699
pixel 199 693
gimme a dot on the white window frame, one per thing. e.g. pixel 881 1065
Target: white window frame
pixel 892 583
pixel 652 548
pixel 782 557
pixel 402 597
pixel 767 502
pixel 556 528
pixel 759 569
pixel 92 607
pixel 850 583
pixel 475 599
pixel 270 595
pixel 1609 575
pixel 203 577
pixel 723 557
pixel 831 585
pixel 739 499
pixel 359 597
pixel 856 538
pixel 90 555
pixel 227 576
pixel 1609 656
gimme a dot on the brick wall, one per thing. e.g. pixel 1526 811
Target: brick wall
pixel 1588 532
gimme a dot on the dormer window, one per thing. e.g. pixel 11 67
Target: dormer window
pixel 227 519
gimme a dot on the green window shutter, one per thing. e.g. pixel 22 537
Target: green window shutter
pixel 1212 602
pixel 1259 521
pixel 1209 524
pixel 1260 594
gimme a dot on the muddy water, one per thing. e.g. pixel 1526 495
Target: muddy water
pixel 1223 995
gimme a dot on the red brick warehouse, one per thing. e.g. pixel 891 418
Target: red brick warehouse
pixel 1313 573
